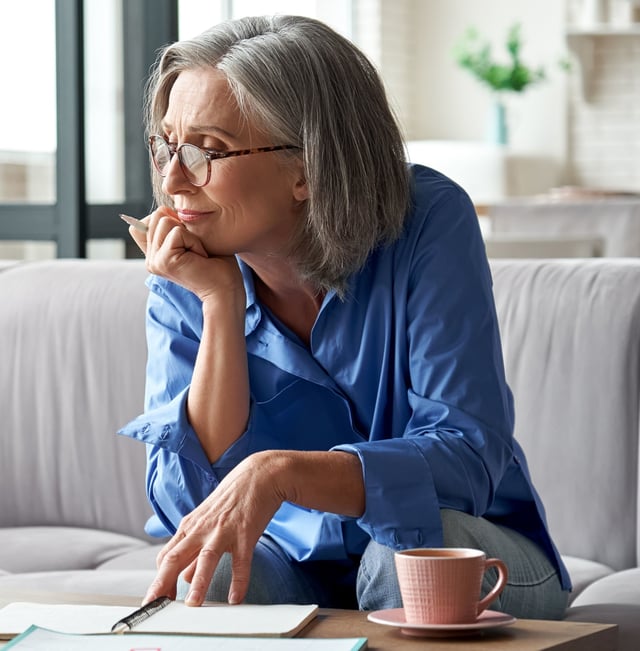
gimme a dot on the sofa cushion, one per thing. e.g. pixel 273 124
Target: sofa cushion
pixel 130 583
pixel 584 572
pixel 621 587
pixel 137 559
pixel 32 549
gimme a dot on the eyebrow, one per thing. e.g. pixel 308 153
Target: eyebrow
pixel 202 128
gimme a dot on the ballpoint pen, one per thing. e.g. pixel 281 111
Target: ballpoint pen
pixel 136 223
pixel 140 615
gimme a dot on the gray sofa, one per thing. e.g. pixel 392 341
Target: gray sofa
pixel 72 351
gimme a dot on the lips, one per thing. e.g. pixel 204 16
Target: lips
pixel 191 216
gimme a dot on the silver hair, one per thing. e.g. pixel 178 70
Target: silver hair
pixel 303 84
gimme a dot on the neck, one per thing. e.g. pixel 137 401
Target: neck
pixel 295 302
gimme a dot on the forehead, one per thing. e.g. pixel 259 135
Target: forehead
pixel 202 97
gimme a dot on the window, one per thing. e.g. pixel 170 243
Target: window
pixel 28 109
pixel 197 15
pixel 103 97
pixel 72 154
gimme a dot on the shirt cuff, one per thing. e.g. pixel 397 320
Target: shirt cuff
pixel 168 427
pixel 402 508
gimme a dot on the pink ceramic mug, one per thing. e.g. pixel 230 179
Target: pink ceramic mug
pixel 442 585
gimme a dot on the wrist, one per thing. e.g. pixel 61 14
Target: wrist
pixel 222 305
pixel 277 467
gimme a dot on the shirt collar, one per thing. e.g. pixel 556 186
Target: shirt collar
pixel 253 313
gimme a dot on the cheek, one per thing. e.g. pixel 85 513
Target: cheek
pixel 268 186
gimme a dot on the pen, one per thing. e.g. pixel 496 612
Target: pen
pixel 136 223
pixel 140 615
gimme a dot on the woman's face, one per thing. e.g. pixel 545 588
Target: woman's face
pixel 251 204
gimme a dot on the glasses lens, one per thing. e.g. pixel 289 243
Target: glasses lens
pixel 161 154
pixel 194 164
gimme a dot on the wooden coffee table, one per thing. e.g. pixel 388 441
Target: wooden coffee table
pixel 523 635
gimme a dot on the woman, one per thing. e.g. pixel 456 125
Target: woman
pixel 325 382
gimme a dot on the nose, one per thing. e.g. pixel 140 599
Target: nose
pixel 175 181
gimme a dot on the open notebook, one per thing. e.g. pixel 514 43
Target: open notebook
pixel 175 617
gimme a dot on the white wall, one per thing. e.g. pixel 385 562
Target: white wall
pixel 449 104
pixel 604 133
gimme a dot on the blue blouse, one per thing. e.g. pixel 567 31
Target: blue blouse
pixel 406 372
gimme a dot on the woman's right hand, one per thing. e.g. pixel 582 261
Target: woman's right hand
pixel 175 253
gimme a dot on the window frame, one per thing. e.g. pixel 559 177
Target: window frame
pixel 71 220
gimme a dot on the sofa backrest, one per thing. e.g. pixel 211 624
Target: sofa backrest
pixel 571 340
pixel 72 355
pixel 73 352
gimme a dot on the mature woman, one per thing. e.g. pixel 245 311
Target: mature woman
pixel 325 381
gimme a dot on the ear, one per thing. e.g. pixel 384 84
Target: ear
pixel 300 187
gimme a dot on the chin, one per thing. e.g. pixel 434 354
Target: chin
pixel 212 251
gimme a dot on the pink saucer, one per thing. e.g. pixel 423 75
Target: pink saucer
pixel 395 617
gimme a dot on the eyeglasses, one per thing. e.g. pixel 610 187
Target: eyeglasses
pixel 195 162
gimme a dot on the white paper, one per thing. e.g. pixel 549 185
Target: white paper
pixel 84 619
pixel 209 619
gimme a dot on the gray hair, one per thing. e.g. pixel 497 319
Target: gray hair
pixel 304 84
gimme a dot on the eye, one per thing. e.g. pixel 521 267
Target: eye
pixel 213 144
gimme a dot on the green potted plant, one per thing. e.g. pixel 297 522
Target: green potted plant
pixel 474 54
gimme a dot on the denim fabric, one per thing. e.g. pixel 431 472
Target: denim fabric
pixel 533 590
pixel 276 579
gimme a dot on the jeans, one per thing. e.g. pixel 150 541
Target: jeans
pixel 533 590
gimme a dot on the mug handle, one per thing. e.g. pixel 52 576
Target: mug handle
pixel 503 574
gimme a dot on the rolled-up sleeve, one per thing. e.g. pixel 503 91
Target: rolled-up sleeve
pixel 179 475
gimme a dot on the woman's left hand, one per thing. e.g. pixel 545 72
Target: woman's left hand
pixel 231 519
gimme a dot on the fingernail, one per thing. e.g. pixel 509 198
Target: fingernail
pixel 192 598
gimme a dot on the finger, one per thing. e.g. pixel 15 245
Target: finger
pixel 160 213
pixel 187 574
pixel 177 538
pixel 179 237
pixel 143 238
pixel 139 238
pixel 206 564
pixel 160 227
pixel 240 575
pixel 165 249
pixel 195 245
pixel 171 564
pixel 154 591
